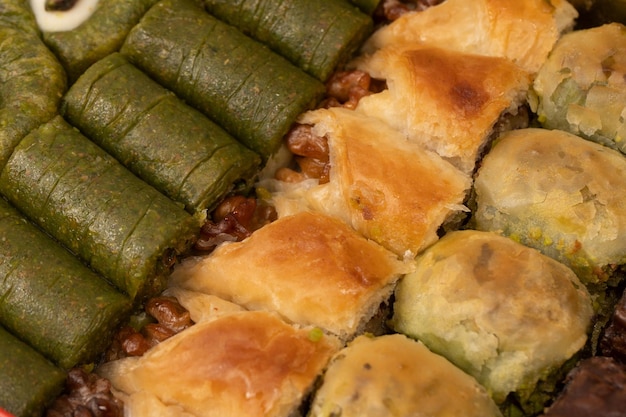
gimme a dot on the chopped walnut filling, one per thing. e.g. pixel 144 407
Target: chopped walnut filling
pixel 343 89
pixel 346 88
pixel 87 395
pixel 233 220
pixel 311 152
pixel 171 318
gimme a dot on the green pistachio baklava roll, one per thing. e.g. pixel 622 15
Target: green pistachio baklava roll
pixel 252 92
pixel 122 227
pixel 316 36
pixel 28 381
pixel 161 139
pixel 31 79
pixel 101 34
pixel 49 298
pixel 18 15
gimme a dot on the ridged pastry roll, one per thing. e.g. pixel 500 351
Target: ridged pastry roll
pixel 154 134
pixel 310 268
pixel 236 364
pixel 28 382
pixel 32 81
pixel 522 31
pixel 560 194
pixel 316 45
pixel 18 15
pixel 119 225
pixel 394 376
pixel 390 190
pixel 101 33
pixel 502 312
pixel 247 89
pixel 582 88
pixel 446 101
pixel 50 299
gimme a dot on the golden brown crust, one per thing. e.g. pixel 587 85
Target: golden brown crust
pixel 455 100
pixel 522 31
pixel 391 191
pixel 394 376
pixel 241 364
pixel 310 268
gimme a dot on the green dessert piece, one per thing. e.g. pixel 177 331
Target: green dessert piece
pixel 50 299
pixel 122 227
pixel 148 129
pixel 316 36
pixel 31 79
pixel 252 92
pixel 28 382
pixel 18 15
pixel 100 35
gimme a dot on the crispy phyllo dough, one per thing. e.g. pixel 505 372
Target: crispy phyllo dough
pixel 50 299
pixel 122 227
pixel 101 34
pixel 446 101
pixel 167 143
pixel 310 268
pixel 28 381
pixel 394 376
pixel 252 92
pixel 390 190
pixel 582 87
pixel 560 194
pixel 522 31
pixel 201 306
pixel 32 81
pixel 316 36
pixel 246 364
pixel 503 312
